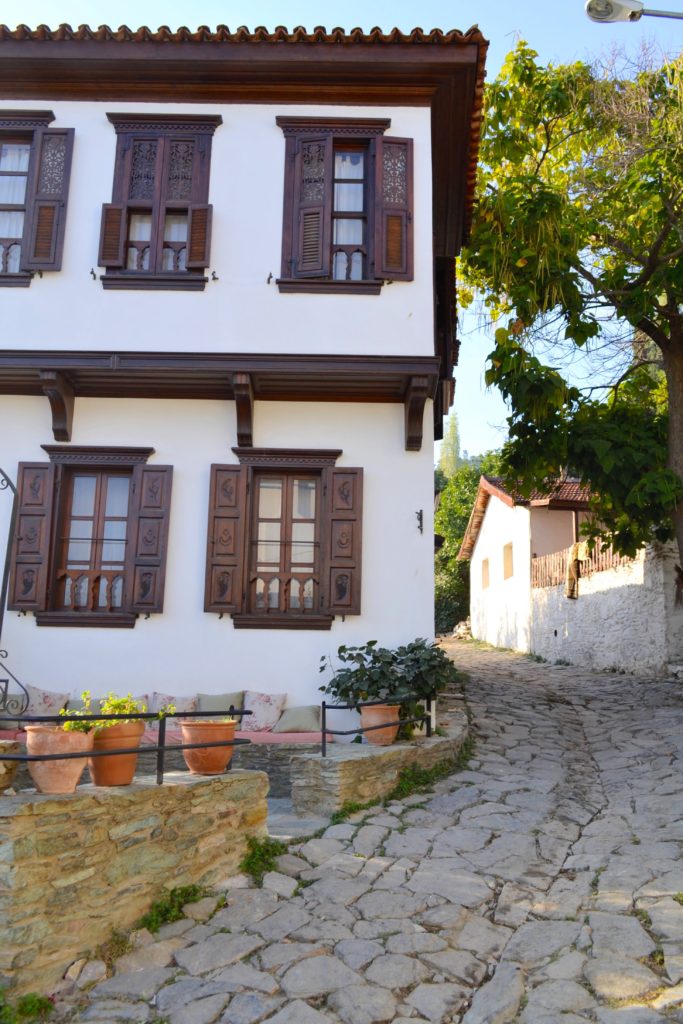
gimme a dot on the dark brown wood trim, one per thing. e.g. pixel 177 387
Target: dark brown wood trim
pixel 292 458
pixel 163 124
pixel 328 287
pixel 362 127
pixel 26 119
pixel 96 455
pixel 244 401
pixel 417 393
pixel 273 621
pixel 60 394
pixel 111 620
pixel 15 280
pixel 122 281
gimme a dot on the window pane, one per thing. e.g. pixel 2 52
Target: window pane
pixel 303 546
pixel 175 227
pixel 14 156
pixel 13 259
pixel 308 594
pixel 268 544
pixel 12 190
pixel 274 594
pixel 339 266
pixel 11 223
pixel 83 502
pixel 304 499
pixel 270 499
pixel 114 546
pixel 116 593
pixel 349 165
pixel 348 232
pixel 117 498
pixel 140 227
pixel 348 197
pixel 81 592
pixel 356 266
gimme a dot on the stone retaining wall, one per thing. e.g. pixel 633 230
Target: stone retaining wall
pixel 360 773
pixel 73 868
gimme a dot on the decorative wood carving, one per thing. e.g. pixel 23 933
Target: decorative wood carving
pixel 417 393
pixel 95 455
pixel 60 393
pixel 244 400
pixel 162 124
pixel 362 127
pixel 20 120
pixel 291 458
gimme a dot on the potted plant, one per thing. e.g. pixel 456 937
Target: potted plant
pixel 426 670
pixel 74 736
pixel 369 673
pixel 209 760
pixel 114 734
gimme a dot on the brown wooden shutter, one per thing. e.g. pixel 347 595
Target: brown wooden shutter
pixel 113 236
pixel 342 541
pixel 394 209
pixel 46 200
pixel 313 206
pixel 147 540
pixel 224 591
pixel 28 586
pixel 199 236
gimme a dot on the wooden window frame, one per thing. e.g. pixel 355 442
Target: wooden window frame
pixel 508 561
pixel 47 187
pixel 230 537
pixel 329 134
pixel 162 132
pixel 43 516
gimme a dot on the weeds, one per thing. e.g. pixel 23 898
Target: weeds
pixel 27 1010
pixel 679 898
pixel 261 857
pixel 644 918
pixel 170 906
pixel 349 808
pixel 117 945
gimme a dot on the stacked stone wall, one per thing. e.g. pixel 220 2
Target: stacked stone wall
pixel 74 868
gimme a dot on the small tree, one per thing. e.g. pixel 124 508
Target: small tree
pixel 449 456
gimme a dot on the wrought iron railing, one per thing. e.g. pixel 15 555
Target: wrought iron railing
pixel 425 719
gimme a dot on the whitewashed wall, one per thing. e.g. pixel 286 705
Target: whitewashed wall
pixel 240 312
pixel 500 612
pixel 185 649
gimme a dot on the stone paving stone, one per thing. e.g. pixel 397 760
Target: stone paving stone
pixel 628 1015
pixel 280 924
pixel 396 971
pixel 513 905
pixel 245 906
pixel 666 916
pixel 358 953
pixel 159 954
pixel 290 865
pixel 185 991
pixel 617 933
pixel 250 1008
pixel 200 1011
pixel 615 977
pixel 673 961
pixel 558 996
pixel 201 910
pixel 341 831
pixel 456 965
pixel 369 839
pixel 413 843
pixel 341 891
pixel 283 954
pixel 111 1010
pixel 384 926
pixel 344 864
pixel 317 977
pixel 299 1012
pixel 537 940
pixel 136 985
pixel 93 971
pixel 279 883
pixel 317 851
pixel 218 951
pixel 418 942
pixel 482 937
pixel 243 976
pixel 447 878
pixel 403 904
pixel 363 1004
pixel 434 1001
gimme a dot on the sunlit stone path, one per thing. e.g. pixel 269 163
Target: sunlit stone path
pixel 541 885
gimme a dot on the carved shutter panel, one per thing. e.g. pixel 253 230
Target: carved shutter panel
pixel 225 540
pixel 343 541
pixel 199 236
pixel 112 236
pixel 312 206
pixel 394 209
pixel 28 586
pixel 147 540
pixel 47 195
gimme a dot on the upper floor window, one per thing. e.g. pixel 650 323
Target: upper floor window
pixel 156 232
pixel 35 162
pixel 348 205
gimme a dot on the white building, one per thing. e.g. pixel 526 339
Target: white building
pixel 227 271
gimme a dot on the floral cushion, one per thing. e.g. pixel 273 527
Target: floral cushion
pixel 45 702
pixel 156 701
pixel 266 709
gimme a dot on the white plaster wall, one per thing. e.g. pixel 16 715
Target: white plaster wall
pixel 240 312
pixel 185 649
pixel 618 622
pixel 500 613
pixel 674 612
pixel 551 530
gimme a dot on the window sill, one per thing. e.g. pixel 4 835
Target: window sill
pixel 154 282
pixel 328 287
pixel 279 621
pixel 15 280
pixel 106 620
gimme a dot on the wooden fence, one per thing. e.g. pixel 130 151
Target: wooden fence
pixel 551 570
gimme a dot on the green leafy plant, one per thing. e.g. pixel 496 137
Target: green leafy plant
pixel 27 1010
pixel 74 716
pixel 113 705
pixel 261 857
pixel 368 672
pixel 169 907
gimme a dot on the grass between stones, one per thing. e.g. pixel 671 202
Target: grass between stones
pixel 169 907
pixel 28 1009
pixel 261 857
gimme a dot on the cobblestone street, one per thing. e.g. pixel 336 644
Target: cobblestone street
pixel 543 884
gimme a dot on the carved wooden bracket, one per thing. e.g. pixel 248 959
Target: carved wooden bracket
pixel 60 394
pixel 417 393
pixel 244 400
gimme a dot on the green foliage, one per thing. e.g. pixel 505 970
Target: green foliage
pixel 117 945
pixel 440 480
pixel 73 723
pixel 170 906
pixel 262 857
pixel 113 705
pixel 349 808
pixel 28 1009
pixel 578 226
pixel 451 592
pixel 449 452
pixel 415 778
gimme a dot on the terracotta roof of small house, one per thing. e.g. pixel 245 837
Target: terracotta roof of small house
pixel 565 494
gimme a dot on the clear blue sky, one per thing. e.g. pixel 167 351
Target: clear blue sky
pixel 558 29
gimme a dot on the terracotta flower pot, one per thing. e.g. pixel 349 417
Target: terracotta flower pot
pixel 8 769
pixel 56 776
pixel 378 715
pixel 119 769
pixel 214 760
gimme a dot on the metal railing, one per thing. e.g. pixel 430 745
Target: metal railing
pixel 161 748
pixel 425 720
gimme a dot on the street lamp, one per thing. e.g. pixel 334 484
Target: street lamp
pixel 623 10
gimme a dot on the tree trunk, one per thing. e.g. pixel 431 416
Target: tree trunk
pixel 673 367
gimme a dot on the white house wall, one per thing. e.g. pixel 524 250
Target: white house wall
pixel 241 311
pixel 184 649
pixel 500 612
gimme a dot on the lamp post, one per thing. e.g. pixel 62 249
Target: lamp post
pixel 623 10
